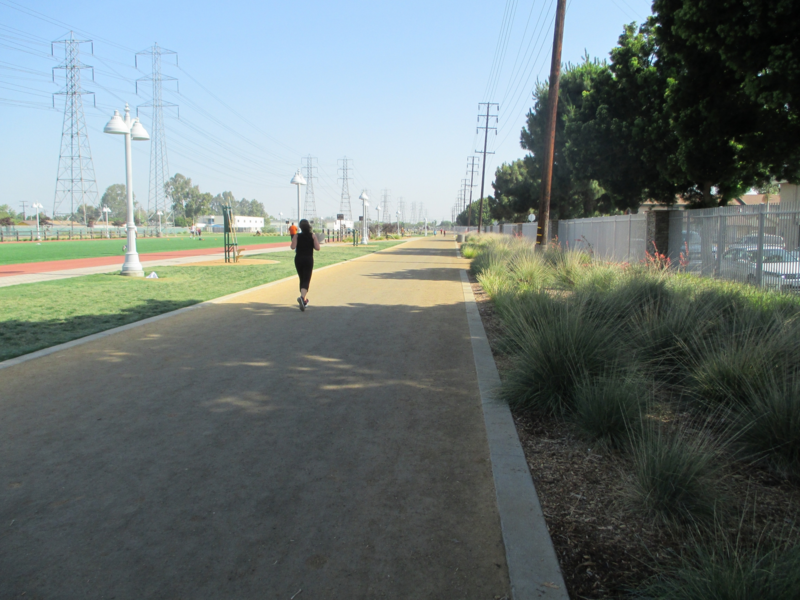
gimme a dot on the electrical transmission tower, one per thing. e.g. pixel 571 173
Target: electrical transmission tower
pixel 344 207
pixel 386 208
pixel 401 208
pixel 310 204
pixel 464 188
pixel 157 198
pixel 486 129
pixel 471 166
pixel 75 179
pixel 413 213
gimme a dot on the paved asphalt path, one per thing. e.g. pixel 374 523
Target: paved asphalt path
pixel 250 450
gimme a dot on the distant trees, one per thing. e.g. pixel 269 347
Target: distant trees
pixel 115 197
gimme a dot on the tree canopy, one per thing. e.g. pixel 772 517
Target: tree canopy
pixel 702 102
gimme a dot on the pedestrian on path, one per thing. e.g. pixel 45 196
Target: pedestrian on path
pixel 293 230
pixel 304 244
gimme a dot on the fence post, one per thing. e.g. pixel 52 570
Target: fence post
pixel 760 248
pixel 721 236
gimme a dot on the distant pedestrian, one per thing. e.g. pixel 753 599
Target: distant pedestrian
pixel 304 244
pixel 293 230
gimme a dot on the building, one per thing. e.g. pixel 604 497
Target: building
pixel 242 224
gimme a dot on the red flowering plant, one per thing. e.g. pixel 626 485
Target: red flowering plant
pixel 656 260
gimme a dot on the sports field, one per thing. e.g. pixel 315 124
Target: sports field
pixel 12 253
pixel 39 315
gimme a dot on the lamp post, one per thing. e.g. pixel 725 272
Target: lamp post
pixel 159 213
pixel 280 224
pixel 298 180
pixel 107 210
pixel 131 129
pixel 364 229
pixel 38 207
pixel 378 211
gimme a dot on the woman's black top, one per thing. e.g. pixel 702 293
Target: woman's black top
pixel 305 244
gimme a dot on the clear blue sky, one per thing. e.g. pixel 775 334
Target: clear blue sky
pixel 394 86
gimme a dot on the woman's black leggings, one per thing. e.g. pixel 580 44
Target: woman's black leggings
pixel 304 266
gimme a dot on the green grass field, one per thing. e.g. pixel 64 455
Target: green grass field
pixel 39 315
pixel 25 252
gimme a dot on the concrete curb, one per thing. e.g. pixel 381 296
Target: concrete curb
pixel 11 362
pixel 532 563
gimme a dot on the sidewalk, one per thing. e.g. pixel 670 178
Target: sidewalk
pixel 250 450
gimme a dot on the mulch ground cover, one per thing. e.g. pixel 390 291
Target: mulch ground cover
pixel 606 549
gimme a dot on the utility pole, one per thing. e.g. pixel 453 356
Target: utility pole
pixel 464 184
pixel 543 233
pixel 344 206
pixel 471 170
pixel 75 179
pixel 24 214
pixel 486 129
pixel 157 198
pixel 310 205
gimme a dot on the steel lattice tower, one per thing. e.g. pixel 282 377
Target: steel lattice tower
pixel 75 179
pixel 344 207
pixel 413 213
pixel 310 204
pixel 386 208
pixel 401 208
pixel 157 197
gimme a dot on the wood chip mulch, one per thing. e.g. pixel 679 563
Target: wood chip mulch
pixel 605 549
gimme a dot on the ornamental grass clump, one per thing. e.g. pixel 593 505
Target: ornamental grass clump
pixel 609 408
pixel 768 423
pixel 726 571
pixel 674 476
pixel 557 347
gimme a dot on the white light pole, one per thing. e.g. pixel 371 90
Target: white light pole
pixel 159 213
pixel 280 225
pixel 364 229
pixel 38 207
pixel 131 129
pixel 378 210
pixel 107 210
pixel 298 180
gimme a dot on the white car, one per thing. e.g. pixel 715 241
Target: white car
pixel 780 269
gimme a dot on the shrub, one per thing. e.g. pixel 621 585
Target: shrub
pixel 673 476
pixel 609 407
pixel 726 572
pixel 557 347
pixel 768 421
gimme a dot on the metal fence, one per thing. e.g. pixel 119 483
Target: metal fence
pixel 620 238
pixel 750 244
pixel 759 245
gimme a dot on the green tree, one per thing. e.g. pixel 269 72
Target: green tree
pixel 7 211
pixel 573 193
pixel 115 197
pixel 754 47
pixel 461 219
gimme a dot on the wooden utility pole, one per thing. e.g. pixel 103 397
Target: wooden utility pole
pixel 486 129
pixel 543 233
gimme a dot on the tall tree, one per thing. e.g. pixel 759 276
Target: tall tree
pixel 573 194
pixel 116 199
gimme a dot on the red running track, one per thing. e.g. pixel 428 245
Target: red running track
pixel 101 261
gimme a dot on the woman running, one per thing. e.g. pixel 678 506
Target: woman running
pixel 304 244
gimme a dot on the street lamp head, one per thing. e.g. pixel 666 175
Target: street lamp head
pixel 106 209
pixel 363 196
pixel 116 125
pixel 298 179
pixel 159 213
pixel 138 132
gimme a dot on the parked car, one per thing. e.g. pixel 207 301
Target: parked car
pixel 780 269
pixel 752 240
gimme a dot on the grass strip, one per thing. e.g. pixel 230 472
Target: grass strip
pixel 40 315
pixel 13 253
